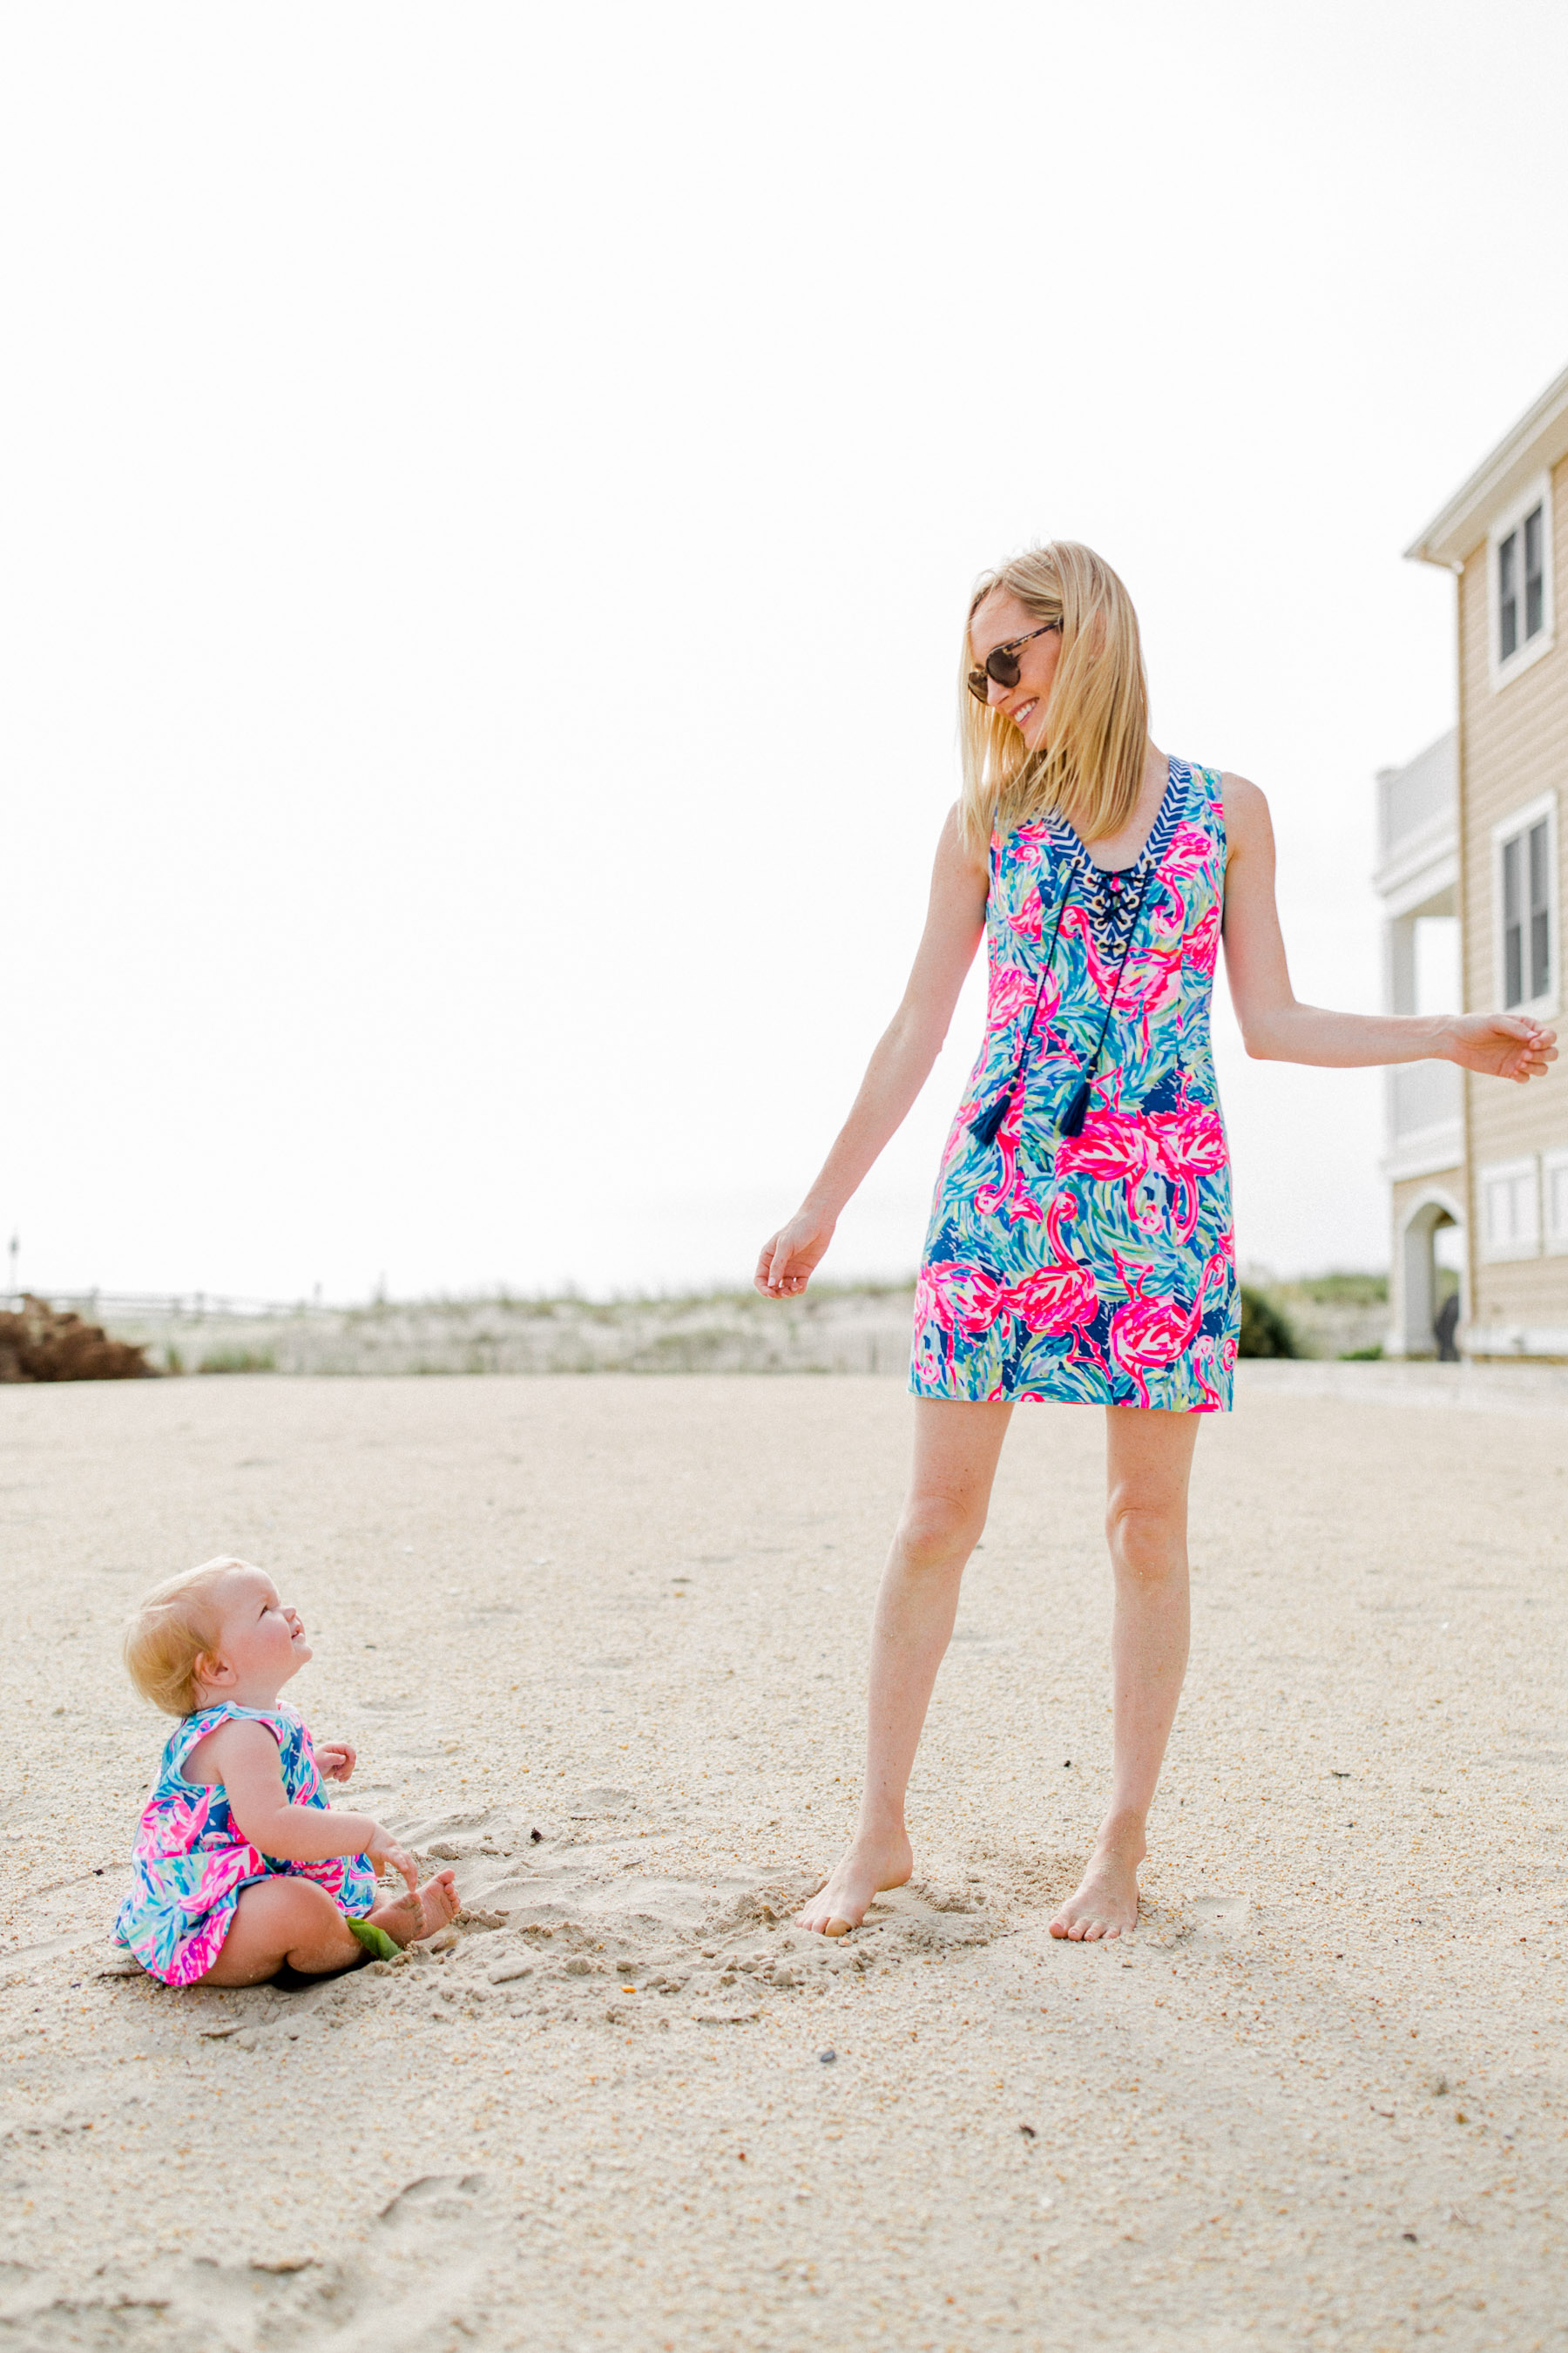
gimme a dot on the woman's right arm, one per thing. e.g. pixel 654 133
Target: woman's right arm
pixel 955 922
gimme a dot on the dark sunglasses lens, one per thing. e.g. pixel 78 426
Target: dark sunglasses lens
pixel 1003 667
pixel 979 686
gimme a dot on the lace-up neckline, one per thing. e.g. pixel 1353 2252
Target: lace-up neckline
pixel 1112 894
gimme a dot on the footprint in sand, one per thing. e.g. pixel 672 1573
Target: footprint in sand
pixel 561 1927
pixel 434 2197
pixel 1220 1916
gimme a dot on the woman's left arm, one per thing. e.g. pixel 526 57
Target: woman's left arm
pixel 1275 1029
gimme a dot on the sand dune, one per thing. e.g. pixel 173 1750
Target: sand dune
pixel 600 1644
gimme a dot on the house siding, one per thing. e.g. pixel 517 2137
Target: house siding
pixel 1513 747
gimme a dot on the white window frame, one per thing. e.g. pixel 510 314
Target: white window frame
pixel 1528 1169
pixel 1509 829
pixel 1553 1239
pixel 1528 650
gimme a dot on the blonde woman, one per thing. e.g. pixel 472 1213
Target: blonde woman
pixel 1081 1245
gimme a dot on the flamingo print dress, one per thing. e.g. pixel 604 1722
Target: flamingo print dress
pixel 1096 1269
pixel 190 1865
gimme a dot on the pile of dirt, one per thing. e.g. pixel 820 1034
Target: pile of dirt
pixel 40 1345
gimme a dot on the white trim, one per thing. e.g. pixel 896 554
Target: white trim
pixel 1540 438
pixel 1425 1152
pixel 1528 650
pixel 1405 885
pixel 1554 1236
pixel 1435 1196
pixel 1509 829
pixel 1526 1170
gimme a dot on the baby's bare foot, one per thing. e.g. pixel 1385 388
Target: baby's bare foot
pixel 861 1873
pixel 408 1917
pixel 1105 1903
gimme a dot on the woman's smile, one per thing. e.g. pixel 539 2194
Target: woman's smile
pixel 1002 620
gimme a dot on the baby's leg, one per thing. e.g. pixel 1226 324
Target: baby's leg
pixel 408 1917
pixel 294 1921
pixel 283 1920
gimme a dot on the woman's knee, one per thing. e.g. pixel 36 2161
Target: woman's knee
pixel 937 1531
pixel 1147 1536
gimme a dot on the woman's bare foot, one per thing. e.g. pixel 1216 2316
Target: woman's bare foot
pixel 1105 1903
pixel 860 1874
pixel 409 1916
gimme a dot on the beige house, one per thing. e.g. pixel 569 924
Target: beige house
pixel 1472 835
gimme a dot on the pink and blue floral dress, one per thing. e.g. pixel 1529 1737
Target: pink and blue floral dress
pixel 1098 1267
pixel 190 1864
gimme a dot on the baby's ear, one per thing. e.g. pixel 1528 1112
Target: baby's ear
pixel 210 1671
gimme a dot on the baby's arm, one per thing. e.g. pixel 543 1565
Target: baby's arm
pixel 243 1756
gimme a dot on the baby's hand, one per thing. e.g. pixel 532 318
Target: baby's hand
pixel 336 1759
pixel 384 1850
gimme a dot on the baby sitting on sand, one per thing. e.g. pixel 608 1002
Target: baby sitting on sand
pixel 240 1865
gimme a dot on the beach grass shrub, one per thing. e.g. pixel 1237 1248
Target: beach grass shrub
pixel 1352 1288
pixel 1265 1329
pixel 239 1360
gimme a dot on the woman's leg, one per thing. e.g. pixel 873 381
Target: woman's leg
pixel 956 1449
pixel 1148 1461
pixel 294 1921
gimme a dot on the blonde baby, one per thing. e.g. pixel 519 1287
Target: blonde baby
pixel 240 1866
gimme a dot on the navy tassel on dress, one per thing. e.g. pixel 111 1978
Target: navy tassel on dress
pixel 1077 1111
pixel 987 1127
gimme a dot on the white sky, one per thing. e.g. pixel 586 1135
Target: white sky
pixel 488 498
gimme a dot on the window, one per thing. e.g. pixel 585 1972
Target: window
pixel 1522 582
pixel 1507 571
pixel 1524 933
pixel 1525 846
pixel 1534 583
pixel 1511 1209
pixel 1554 1192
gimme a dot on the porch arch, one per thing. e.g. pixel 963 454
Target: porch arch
pixel 1433 1210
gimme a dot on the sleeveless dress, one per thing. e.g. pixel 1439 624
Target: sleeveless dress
pixel 190 1864
pixel 1098 1269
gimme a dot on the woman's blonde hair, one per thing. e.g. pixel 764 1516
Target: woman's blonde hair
pixel 1090 770
pixel 177 1623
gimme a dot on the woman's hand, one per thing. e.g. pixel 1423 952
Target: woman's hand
pixel 384 1852
pixel 791 1257
pixel 1503 1046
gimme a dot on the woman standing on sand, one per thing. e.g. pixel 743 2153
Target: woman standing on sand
pixel 1081 1246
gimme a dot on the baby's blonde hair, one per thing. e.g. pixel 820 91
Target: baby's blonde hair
pixel 175 1624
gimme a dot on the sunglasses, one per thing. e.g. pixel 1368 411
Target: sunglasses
pixel 1002 664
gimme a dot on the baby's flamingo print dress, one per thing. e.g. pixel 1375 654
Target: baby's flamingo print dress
pixel 1099 1268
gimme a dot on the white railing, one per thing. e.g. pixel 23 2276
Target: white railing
pixel 1423 1095
pixel 1411 797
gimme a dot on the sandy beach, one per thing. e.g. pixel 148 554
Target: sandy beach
pixel 601 1642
